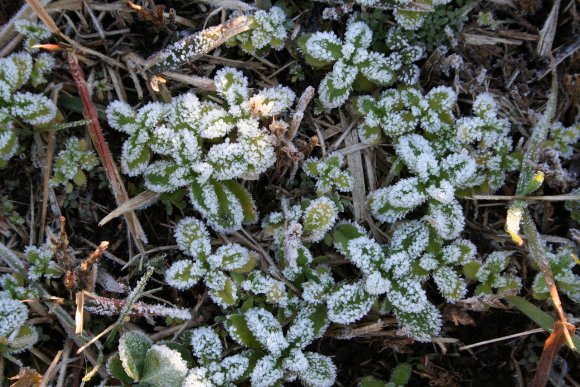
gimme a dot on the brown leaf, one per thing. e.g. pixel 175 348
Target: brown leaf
pixel 27 377
pixel 551 349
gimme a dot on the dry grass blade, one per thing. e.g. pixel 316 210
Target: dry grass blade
pixel 551 348
pixel 51 371
pixel 144 199
pixel 548 32
pixel 526 333
pixel 103 151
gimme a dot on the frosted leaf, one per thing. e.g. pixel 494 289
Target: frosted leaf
pixel 441 98
pixel 206 344
pixel 266 372
pixel 229 257
pixel 447 219
pixel 152 114
pixel 418 155
pixel 34 109
pixel 349 303
pixel 162 139
pixel 8 141
pixel 325 46
pixel 459 168
pixel 422 325
pixel 132 348
pixel 365 253
pixel 379 68
pixel 394 202
pixel 122 117
pixel 227 160
pixel 450 284
pixel 135 155
pixel 359 34
pixel 442 191
pixel 460 252
pixel 184 274
pixel 192 237
pixel 267 330
pixel 301 332
pixel 376 284
pixel 214 121
pixel 198 377
pixel 232 84
pixel 485 107
pixel 316 290
pixel 13 314
pixel 164 367
pixel 411 237
pixel 234 366
pixel 15 70
pixel 268 29
pixel 31 29
pixel 321 371
pixel 295 361
pixel 409 20
pixel 319 217
pixel 43 64
pixel 407 295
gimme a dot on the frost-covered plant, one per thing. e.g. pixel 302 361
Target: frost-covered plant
pixel 329 174
pixel 39 264
pixel 193 239
pixel 298 224
pixel 439 28
pixel 139 360
pixel 204 145
pixel 268 29
pixel 564 139
pixel 562 262
pixel 445 156
pixel 15 335
pixel 35 33
pixel 397 272
pixel 490 274
pixel 408 14
pixel 72 162
pixel 254 33
pixel 355 65
pixel 278 355
pixel 20 109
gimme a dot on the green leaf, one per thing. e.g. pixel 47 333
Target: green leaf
pixel 245 199
pixel 228 294
pixel 401 374
pixel 132 346
pixel 115 368
pixel 371 381
pixel 238 328
pixel 471 268
pixel 163 367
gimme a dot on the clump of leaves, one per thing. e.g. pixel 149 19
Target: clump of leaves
pixel 15 335
pixel 268 30
pixel 72 162
pixel 408 14
pixel 22 110
pixel 355 65
pixel 562 263
pixel 204 146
